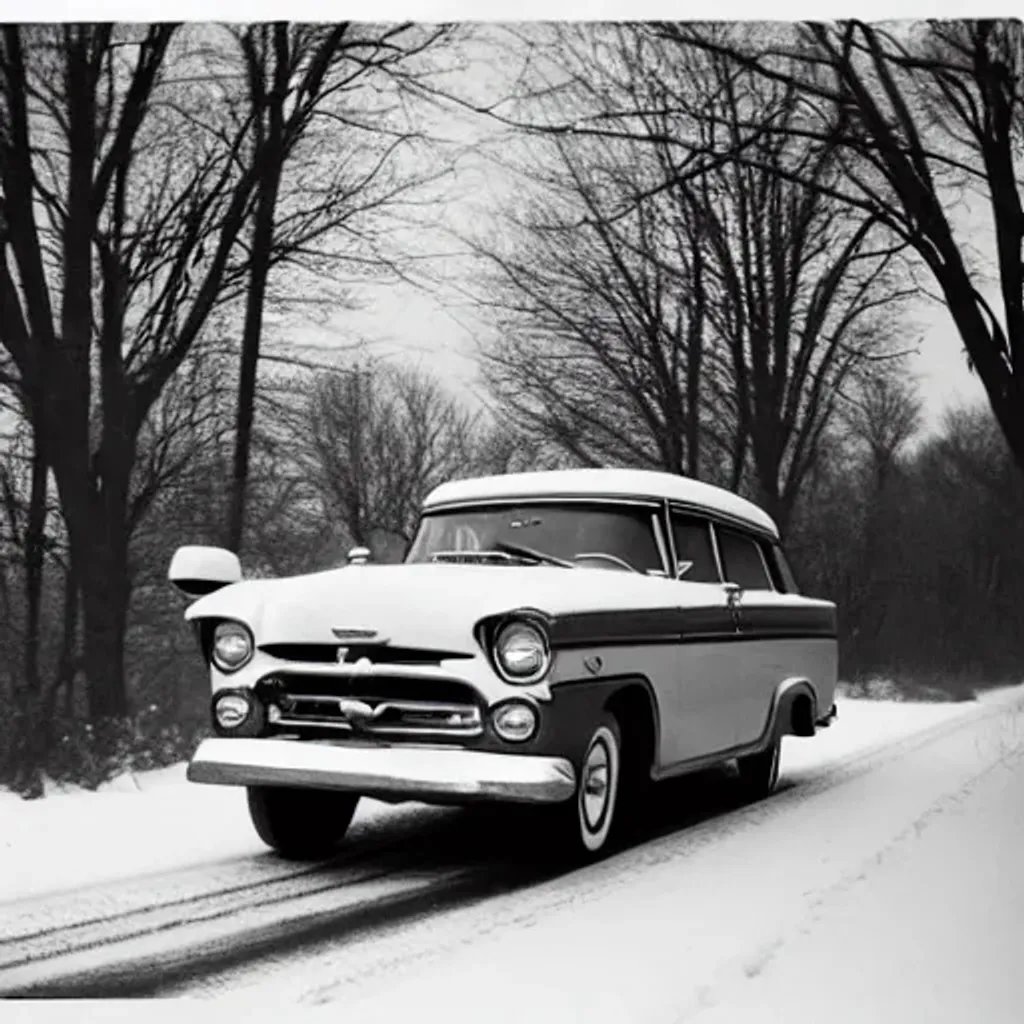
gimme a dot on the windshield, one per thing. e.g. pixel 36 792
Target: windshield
pixel 561 532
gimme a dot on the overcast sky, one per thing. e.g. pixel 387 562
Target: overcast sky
pixel 442 330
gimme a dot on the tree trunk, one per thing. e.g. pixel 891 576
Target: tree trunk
pixel 259 269
pixel 106 592
pixel 99 552
pixel 64 677
pixel 31 704
pixel 263 240
pixel 35 535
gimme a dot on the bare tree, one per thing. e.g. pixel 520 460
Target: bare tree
pixel 330 164
pixel 918 117
pixel 884 414
pixel 717 316
pixel 804 291
pixel 601 346
pixel 380 438
pixel 125 219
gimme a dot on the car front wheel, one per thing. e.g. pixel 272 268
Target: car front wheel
pixel 301 824
pixel 585 823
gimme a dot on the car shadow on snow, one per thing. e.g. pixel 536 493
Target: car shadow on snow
pixel 515 840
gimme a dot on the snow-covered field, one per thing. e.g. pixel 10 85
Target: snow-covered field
pixel 881 884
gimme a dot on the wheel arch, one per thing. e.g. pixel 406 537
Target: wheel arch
pixel 636 710
pixel 629 698
pixel 795 709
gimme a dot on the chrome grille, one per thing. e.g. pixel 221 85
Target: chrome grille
pixel 371 706
pixel 387 717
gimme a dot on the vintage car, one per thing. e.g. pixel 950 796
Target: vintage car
pixel 560 638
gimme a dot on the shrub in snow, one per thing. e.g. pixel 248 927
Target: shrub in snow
pixel 83 754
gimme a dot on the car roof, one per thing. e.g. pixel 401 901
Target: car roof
pixel 604 483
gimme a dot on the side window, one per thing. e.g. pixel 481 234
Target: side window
pixel 782 573
pixel 742 561
pixel 693 544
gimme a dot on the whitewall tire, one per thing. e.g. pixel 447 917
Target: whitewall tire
pixel 585 824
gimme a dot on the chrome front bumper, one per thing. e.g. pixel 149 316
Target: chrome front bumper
pixel 405 772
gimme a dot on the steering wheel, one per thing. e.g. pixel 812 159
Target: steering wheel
pixel 600 556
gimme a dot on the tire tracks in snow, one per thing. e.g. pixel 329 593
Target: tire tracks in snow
pixel 180 943
pixel 140 938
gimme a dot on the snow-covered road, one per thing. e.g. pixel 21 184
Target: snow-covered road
pixel 882 883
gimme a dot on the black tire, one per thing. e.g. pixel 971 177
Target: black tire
pixel 584 828
pixel 759 773
pixel 636 802
pixel 301 824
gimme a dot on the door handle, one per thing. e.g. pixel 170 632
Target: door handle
pixel 733 597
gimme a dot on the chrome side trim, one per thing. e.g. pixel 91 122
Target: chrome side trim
pixel 409 773
pixel 768 734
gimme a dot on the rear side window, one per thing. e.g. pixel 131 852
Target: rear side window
pixel 782 572
pixel 742 561
pixel 693 544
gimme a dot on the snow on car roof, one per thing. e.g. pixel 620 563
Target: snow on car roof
pixel 618 483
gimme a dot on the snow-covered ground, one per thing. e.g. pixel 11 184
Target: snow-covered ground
pixel 880 884
pixel 134 826
pixel 157 822
pixel 884 886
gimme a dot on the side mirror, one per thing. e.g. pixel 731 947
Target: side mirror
pixel 358 556
pixel 197 570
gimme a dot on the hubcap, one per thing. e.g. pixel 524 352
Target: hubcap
pixel 595 785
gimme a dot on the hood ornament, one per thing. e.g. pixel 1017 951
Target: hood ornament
pixel 355 633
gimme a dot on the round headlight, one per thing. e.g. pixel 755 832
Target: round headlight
pixel 231 710
pixel 232 646
pixel 521 651
pixel 515 722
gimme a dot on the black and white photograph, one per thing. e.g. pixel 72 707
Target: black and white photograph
pixel 511 513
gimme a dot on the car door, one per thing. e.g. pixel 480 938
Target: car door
pixel 764 657
pixel 696 715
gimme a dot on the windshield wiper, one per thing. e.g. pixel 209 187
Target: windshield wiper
pixel 533 555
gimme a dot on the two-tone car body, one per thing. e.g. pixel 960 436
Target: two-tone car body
pixel 560 638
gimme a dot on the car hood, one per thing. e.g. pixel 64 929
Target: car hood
pixel 431 605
